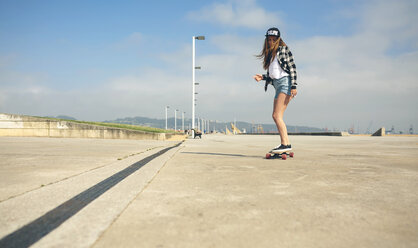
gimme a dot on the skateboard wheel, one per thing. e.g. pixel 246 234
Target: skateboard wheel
pixel 268 155
pixel 291 154
pixel 284 156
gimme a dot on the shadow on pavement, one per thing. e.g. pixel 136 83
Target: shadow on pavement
pixel 222 154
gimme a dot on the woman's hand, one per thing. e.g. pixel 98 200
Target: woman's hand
pixel 258 77
pixel 293 92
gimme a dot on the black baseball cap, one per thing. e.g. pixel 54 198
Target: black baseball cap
pixel 273 32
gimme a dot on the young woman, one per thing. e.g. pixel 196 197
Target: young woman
pixel 281 73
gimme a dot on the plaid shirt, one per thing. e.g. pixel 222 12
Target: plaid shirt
pixel 286 62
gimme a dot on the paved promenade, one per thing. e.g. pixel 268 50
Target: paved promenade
pixel 215 192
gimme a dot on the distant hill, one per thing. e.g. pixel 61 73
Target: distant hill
pixel 218 126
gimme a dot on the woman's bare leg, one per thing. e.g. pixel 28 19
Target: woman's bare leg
pixel 280 105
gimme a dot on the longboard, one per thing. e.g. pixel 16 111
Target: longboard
pixel 283 155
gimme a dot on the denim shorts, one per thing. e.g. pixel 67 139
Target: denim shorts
pixel 282 84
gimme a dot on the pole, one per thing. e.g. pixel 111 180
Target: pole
pixel 235 126
pixel 193 87
pixel 166 107
pixel 175 119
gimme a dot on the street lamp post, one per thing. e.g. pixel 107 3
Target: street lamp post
pixel 193 81
pixel 166 108
pixel 175 119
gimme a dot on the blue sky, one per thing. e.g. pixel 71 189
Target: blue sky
pixel 101 60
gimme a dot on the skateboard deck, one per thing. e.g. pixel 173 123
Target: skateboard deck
pixel 282 155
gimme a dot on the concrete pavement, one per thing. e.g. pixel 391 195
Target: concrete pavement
pixel 29 163
pixel 221 192
pixel 82 229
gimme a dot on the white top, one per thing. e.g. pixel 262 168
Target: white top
pixel 275 71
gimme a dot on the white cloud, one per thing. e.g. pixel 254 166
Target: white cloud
pixel 236 13
pixel 364 60
pixel 391 20
pixel 134 40
pixel 370 75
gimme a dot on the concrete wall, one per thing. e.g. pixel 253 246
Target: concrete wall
pixel 28 126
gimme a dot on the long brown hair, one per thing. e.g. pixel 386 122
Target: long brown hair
pixel 268 53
